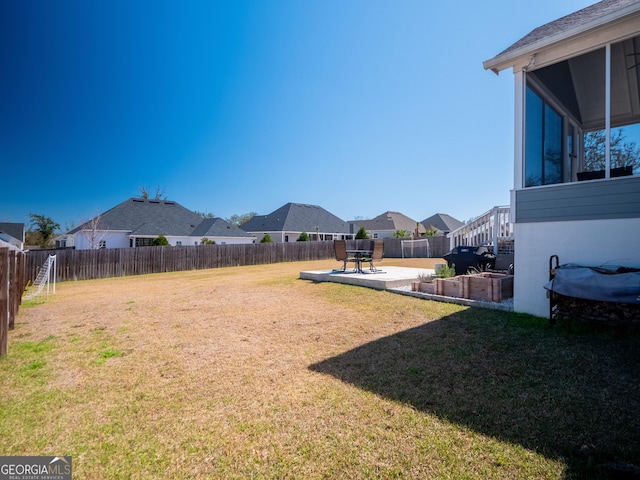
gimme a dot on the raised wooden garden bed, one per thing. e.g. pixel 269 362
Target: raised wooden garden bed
pixel 488 287
pixel 428 287
pixel 449 287
pixel 423 287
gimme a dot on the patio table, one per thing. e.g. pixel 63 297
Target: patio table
pixel 358 255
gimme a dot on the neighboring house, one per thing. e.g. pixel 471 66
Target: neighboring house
pixel 221 231
pixel 441 223
pixel 386 225
pixel 576 79
pixel 12 233
pixel 287 223
pixel 136 222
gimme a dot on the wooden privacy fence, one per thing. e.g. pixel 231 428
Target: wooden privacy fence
pixel 12 283
pixel 438 246
pixel 118 262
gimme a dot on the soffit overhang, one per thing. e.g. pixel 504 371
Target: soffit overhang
pixel 611 28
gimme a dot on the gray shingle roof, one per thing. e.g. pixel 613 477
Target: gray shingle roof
pixel 297 217
pixel 582 19
pixel 390 221
pixel 147 217
pixel 15 230
pixel 588 14
pixel 442 222
pixel 217 227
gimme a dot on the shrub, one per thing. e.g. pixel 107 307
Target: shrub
pixel 401 234
pixel 304 237
pixel 446 271
pixel 160 241
pixel 362 234
pixel 425 278
pixel 266 239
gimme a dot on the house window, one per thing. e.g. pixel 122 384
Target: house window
pixel 144 242
pixel 543 142
pixel 178 243
pixel 102 244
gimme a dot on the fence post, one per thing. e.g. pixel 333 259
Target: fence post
pixel 13 287
pixel 4 300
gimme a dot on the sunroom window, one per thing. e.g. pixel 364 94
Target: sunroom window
pixel 577 130
pixel 544 152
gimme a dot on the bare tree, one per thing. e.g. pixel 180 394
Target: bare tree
pixel 159 195
pixel 239 220
pixel 623 152
pixel 92 231
pixel 205 215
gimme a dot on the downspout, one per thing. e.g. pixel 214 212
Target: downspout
pixel 607 111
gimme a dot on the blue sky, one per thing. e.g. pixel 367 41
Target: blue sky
pixel 235 106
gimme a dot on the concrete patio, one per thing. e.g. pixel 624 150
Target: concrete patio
pixel 383 279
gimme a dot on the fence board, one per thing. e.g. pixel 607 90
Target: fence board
pixel 4 300
pixel 12 283
pixel 105 263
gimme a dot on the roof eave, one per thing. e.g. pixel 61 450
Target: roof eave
pixel 509 59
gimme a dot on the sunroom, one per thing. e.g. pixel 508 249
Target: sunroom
pixel 577 96
pixel 582 116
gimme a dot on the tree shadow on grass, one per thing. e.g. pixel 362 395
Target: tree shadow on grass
pixel 571 392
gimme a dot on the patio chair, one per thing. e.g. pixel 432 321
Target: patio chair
pixel 376 255
pixel 340 247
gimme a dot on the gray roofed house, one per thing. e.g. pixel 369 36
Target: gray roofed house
pixel 287 223
pixel 12 233
pixel 387 224
pixel 217 228
pixel 576 191
pixel 442 223
pixel 138 221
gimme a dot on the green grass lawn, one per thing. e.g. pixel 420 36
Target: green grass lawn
pixel 250 372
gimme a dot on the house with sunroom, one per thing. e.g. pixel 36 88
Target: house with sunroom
pixel 137 222
pixel 576 190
